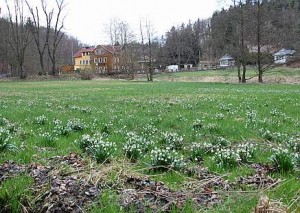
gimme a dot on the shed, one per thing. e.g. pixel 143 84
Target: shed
pixel 172 68
pixel 283 55
pixel 226 61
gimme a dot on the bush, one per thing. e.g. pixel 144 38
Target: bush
pixel 86 76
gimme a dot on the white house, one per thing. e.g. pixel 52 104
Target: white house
pixel 282 56
pixel 226 61
pixel 172 68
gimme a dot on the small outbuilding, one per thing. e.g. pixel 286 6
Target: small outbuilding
pixel 283 56
pixel 172 68
pixel 226 61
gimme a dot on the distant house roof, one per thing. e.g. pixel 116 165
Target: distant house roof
pixel 226 57
pixel 83 50
pixel 283 52
pixel 112 48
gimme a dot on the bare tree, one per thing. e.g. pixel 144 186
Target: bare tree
pixel 18 34
pixel 41 39
pixel 54 25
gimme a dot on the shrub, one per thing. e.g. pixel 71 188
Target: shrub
pixel 86 76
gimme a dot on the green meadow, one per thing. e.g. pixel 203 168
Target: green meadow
pixel 151 147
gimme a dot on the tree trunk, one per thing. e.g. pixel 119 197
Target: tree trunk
pixel 244 73
pixel 239 72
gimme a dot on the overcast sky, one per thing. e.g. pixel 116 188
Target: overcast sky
pixel 86 19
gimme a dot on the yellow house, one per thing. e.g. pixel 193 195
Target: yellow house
pixel 82 59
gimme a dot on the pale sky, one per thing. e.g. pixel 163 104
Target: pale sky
pixel 86 19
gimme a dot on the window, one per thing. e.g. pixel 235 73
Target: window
pixel 86 62
pixel 80 62
pixel 95 60
pixel 99 52
pixel 104 59
pixel 100 60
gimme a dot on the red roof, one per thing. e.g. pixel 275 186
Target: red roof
pixel 84 50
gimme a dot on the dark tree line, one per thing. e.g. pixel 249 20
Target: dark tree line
pixel 249 30
pixel 29 48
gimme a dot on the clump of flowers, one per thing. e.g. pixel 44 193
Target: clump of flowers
pixel 135 146
pixel 197 151
pixel 251 118
pixel 166 158
pixel 173 140
pixel 41 120
pixel 212 128
pixel 294 144
pixel 60 129
pixel 48 139
pixel 3 121
pixel 219 142
pixel 100 149
pixel 246 151
pixel 5 140
pixel 75 125
pixel 226 158
pixel 282 160
pixel 296 160
pixel 197 124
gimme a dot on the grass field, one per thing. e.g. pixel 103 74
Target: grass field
pixel 108 146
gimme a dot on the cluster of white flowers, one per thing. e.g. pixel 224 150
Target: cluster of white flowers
pixel 4 138
pixel 76 125
pixel 197 124
pixel 198 150
pixel 246 151
pixel 251 118
pixel 135 145
pixel 294 144
pixel 48 138
pixel 59 129
pixel 211 127
pixel 273 136
pixel 282 159
pixel 173 140
pixel 3 121
pixel 99 148
pixel 226 158
pixel 149 131
pixel 275 112
pixel 41 120
pixel 166 158
pixel 220 116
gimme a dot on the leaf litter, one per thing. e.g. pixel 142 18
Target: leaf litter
pixel 72 184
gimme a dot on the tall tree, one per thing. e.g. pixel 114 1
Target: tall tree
pixel 54 25
pixel 41 38
pixel 18 34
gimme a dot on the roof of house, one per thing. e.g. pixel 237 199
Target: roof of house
pixel 226 57
pixel 111 48
pixel 283 52
pixel 83 50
